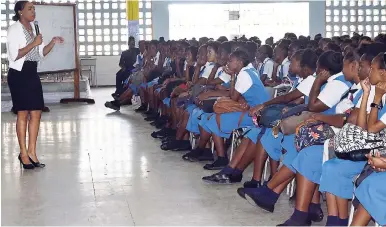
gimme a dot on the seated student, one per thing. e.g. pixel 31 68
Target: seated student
pixel 280 56
pixel 371 193
pixel 343 171
pixel 265 62
pixel 327 90
pixel 202 71
pixel 309 161
pixel 214 53
pixel 126 62
pixel 247 89
pixel 151 63
pixel 303 63
pixel 131 88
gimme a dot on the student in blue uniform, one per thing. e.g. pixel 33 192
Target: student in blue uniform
pixel 371 193
pixel 217 54
pixel 249 88
pixel 280 56
pixel 303 63
pixel 337 174
pixel 328 81
pixel 265 67
pixel 308 163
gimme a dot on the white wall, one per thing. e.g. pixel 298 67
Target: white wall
pixel 106 67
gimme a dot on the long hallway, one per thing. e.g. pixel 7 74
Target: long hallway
pixel 103 168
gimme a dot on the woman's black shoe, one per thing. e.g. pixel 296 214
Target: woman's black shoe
pixel 37 164
pixel 25 166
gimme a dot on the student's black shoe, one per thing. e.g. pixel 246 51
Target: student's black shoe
pixel 291 222
pixel 221 178
pixel 316 216
pixel 168 139
pixel 241 192
pixel 150 112
pixel 112 106
pixel 251 184
pixel 255 199
pixel 192 155
pixel 219 164
pixel 142 108
pixel 165 132
pixel 152 117
pixel 206 155
pixel 127 103
pixel 176 145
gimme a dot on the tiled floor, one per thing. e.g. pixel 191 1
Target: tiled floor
pixel 103 168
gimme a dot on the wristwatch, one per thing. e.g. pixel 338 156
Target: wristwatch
pixel 374 105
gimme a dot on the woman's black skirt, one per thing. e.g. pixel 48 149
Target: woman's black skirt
pixel 26 88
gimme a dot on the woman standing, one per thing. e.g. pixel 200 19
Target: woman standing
pixel 25 48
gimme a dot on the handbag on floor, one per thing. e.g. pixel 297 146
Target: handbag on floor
pixel 353 143
pixel 310 133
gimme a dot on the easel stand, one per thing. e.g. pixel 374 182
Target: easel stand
pixel 76 98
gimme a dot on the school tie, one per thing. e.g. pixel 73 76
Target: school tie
pixel 281 72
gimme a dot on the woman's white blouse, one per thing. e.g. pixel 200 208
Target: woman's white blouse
pixel 15 41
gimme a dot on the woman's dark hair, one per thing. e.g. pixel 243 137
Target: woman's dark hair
pixel 252 49
pixel 268 50
pixel 298 44
pixel 331 61
pixel 154 42
pixel 227 46
pixel 308 59
pixel 242 56
pixel 285 42
pixel 382 63
pixel 222 39
pixel 366 38
pixel 19 6
pixel 194 51
pixel 352 56
pixel 333 47
pixel 214 45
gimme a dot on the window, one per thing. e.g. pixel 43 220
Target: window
pixel 255 19
pixel 100 23
pixel 363 16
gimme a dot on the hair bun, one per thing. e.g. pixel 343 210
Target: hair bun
pixel 15 17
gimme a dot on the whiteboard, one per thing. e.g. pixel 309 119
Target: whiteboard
pixel 57 20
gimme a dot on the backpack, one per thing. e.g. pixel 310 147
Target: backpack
pixel 353 143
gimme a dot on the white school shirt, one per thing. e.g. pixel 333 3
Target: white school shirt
pixel 208 69
pixel 225 77
pixel 286 63
pixel 140 55
pixel 268 68
pixel 16 40
pixel 333 91
pixel 305 85
pixel 347 103
pixel 370 100
pixel 383 117
pixel 156 58
pixel 243 81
